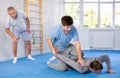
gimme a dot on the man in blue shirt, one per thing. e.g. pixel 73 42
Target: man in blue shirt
pixel 20 26
pixel 59 43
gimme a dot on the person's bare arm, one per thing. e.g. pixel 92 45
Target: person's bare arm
pixel 28 24
pixel 11 34
pixel 78 48
pixel 54 51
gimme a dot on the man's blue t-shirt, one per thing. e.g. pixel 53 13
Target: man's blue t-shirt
pixel 62 40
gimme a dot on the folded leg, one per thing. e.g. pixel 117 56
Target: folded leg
pixel 73 64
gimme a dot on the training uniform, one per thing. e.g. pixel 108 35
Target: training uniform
pixel 84 69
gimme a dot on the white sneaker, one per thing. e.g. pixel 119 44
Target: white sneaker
pixel 48 63
pixel 14 60
pixel 30 57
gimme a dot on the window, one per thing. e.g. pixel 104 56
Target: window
pixel 117 15
pixel 94 13
pixel 106 0
pixel 71 0
pixel 72 9
pixel 90 15
pixel 106 15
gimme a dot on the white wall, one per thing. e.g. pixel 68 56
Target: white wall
pixel 53 11
pixel 84 38
pixel 102 39
pixel 117 39
pixel 109 39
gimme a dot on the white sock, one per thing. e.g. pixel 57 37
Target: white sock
pixel 52 58
pixel 14 60
pixel 30 57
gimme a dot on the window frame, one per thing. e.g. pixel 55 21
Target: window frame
pixel 81 11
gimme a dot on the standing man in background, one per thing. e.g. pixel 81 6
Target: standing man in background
pixel 20 26
pixel 59 43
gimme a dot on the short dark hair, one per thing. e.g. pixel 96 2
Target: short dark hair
pixel 67 20
pixel 96 65
pixel 10 8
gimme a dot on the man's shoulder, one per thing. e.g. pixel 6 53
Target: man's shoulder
pixel 74 28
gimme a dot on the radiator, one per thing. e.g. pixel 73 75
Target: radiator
pixel 102 39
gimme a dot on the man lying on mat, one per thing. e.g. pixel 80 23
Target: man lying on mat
pixel 91 64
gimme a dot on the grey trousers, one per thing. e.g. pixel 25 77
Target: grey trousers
pixel 69 52
pixel 85 69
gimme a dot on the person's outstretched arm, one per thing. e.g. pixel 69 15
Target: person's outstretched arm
pixel 105 58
